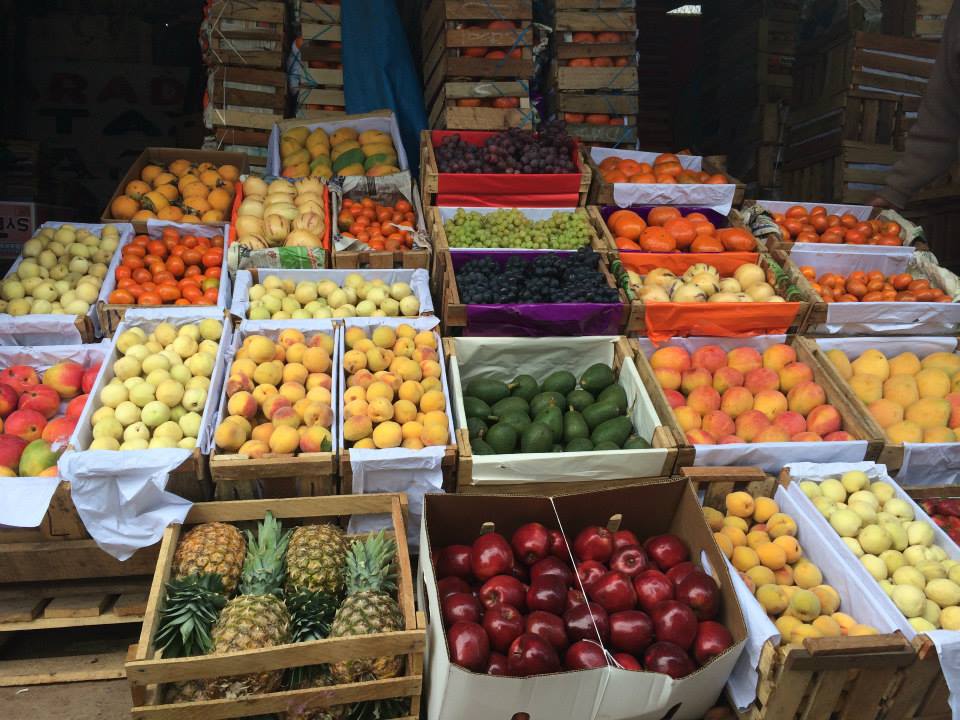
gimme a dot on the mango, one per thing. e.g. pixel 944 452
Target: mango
pixel 901 389
pixel 872 362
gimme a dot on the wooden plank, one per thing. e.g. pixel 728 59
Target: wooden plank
pixel 485 9
pixel 22 609
pixel 70 668
pixel 863 699
pixel 824 695
pixel 131 604
pixel 613 21
pixel 58 623
pixel 80 559
pixel 790 688
pixel 78 606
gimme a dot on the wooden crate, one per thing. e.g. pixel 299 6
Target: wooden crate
pixel 252 143
pixel 149 669
pixel 852 174
pixel 938 212
pixel 382 259
pixel 448 466
pixel 245 34
pixel 923 19
pixel 448 113
pixel 593 15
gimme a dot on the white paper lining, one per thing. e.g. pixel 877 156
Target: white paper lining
pixel 504 358
pixel 771 457
pixel 923 463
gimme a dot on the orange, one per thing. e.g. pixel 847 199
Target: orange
pixel 123 207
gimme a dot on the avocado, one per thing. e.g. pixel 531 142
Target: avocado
pixel 474 407
pixel 560 381
pixel 481 447
pixel 490 391
pixel 605 445
pixel 476 427
pixel 524 386
pixel 597 377
pixel 502 438
pixel 579 399
pixel 537 438
pixel 615 394
pixel 574 426
pixel 615 430
pixel 545 400
pixel 552 417
pixel 580 445
pixel 599 412
pixel 517 420
pixel 510 404
pixel 636 443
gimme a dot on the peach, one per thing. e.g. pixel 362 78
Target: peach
pixel 805 396
pixel 688 418
pixel 807 575
pixel 355 407
pixel 781 524
pixel 668 378
pixel 709 357
pixel 318 413
pixel 243 365
pixel 284 440
pixel 45 400
pixel 230 436
pixel 930 435
pixel 772 598
pixel 89 377
pixel 718 423
pixel 295 372
pixel 238 382
pixel 323 380
pixel 380 410
pixel 254 448
pixel 292 391
pixel 806 436
pixel 886 412
pixel 901 389
pixel 928 412
pixel 750 424
pixel 273 403
pixel 778 356
pixel 285 417
pixel 674 398
pixel 824 419
pixel 761 575
pixel 404 411
pixel 671 357
pixel 268 373
pixel 422 353
pixel 760 379
pixel 740 504
pixel 838 436
pixel 25 424
pixel 388 435
pixel 772 556
pixel 772 434
pixel 700 437
pixel 354 393
pixel 19 377
pixel 314 439
pixel 724 543
pixel 75 406
pixel 729 440
pixel 792 374
pixel 243 404
pixel 713 517
pixel 770 402
pixel 726 378
pixel 8 399
pixel 361 379
pixel 704 399
pixel 693 379
pixel 744 558
pixel 66 378
pixel 737 536
pixel 289 337
pixel 954 399
pixel 736 401
pixel 262 432
pixel 59 430
pixel 793 422
pixel 357 428
pixel 744 359
pixel 784 576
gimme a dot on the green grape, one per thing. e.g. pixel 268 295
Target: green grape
pixel 509 228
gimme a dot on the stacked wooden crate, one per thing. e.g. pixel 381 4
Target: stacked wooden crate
pixel 478 64
pixel 855 97
pixel 316 70
pixel 593 74
pixel 923 19
pixel 655 41
pixel 243 47
pixel 748 88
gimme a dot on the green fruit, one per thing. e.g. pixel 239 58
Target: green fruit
pixel 510 405
pixel 597 378
pixel 490 391
pixel 524 386
pixel 636 443
pixel 600 412
pixel 481 447
pixel 476 427
pixel 560 381
pixel 615 394
pixel 537 438
pixel 579 399
pixel 353 156
pixel 474 407
pixel 580 445
pixel 546 399
pixel 552 417
pixel 615 430
pixel 517 420
pixel 605 445
pixel 574 426
pixel 379 159
pixel 502 438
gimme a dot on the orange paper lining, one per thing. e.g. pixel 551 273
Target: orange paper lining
pixel 725 263
pixel 665 320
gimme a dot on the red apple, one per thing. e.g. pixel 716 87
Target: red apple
pixel 624 538
pixel 531 655
pixel 631 560
pixel 680 571
pixel 460 606
pixel 503 624
pixel 558 545
pixel 652 587
pixel 45 400
pixel 469 646
pixel 552 566
pixel 548 626
pixel 497 664
pixel 574 597
pixel 674 622
pixel 503 589
pixel 585 622
pixel 669 659
pixel 547 593
pixel 520 571
pixel 593 543
pixel 700 592
pixel 589 571
pixel 11 448
pixel 627 662
pixel 490 555
pixel 451 585
pixel 89 376
pixel 614 592
pixel 9 397
pixel 530 543
pixel 584 655
pixel 454 560
pixel 666 550
pixel 711 640
pixel 631 631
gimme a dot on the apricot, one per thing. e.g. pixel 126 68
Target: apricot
pixel 433 400
pixel 740 504
pixel 744 359
pixel 669 378
pixel 786 625
pixel 771 403
pixel 726 378
pixel 760 575
pixel 692 379
pixel 292 391
pixel 736 522
pixel 379 410
pixel 724 543
pixel 284 439
pixel 736 401
pixel 704 399
pixel 671 357
pixel 784 576
pixel 756 538
pixel 229 436
pixel 827 626
pixel 750 424
pixel 790 547
pixel 829 598
pixel 404 411
pixel 713 517
pixel 254 448
pixel 772 598
pixel 804 605
pixel 435 434
pixel 772 556
pixel 357 427
pixel 687 418
pixel 764 509
pixel 378 389
pixel 777 356
pixel 793 374
pixel 844 621
pixel 781 524
pixel 824 419
pixel 744 558
pixel 807 575
pixel 859 630
pixel 760 379
pixel 737 537
pixel 260 349
pixel 386 435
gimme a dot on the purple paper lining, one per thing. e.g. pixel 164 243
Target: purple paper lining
pixel 718 220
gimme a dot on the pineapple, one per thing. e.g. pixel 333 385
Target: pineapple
pixel 211 549
pixel 369 608
pixel 315 560
pixel 191 609
pixel 301 709
pixel 257 618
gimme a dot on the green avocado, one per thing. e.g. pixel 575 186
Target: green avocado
pixel 474 407
pixel 490 391
pixel 597 378
pixel 502 438
pixel 537 438
pixel 524 386
pixel 476 427
pixel 510 405
pixel 615 430
pixel 544 400
pixel 481 447
pixel 615 394
pixel 560 381
pixel 517 420
pixel 574 426
pixel 606 445
pixel 636 443
pixel 580 445
pixel 552 417
pixel 600 412
pixel 579 399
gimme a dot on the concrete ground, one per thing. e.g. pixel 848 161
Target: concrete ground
pixel 103 700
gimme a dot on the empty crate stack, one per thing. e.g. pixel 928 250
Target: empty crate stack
pixel 243 47
pixel 316 62
pixel 478 62
pixel 593 75
pixel 922 19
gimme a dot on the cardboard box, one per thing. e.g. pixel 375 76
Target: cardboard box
pixel 607 693
pixel 20 220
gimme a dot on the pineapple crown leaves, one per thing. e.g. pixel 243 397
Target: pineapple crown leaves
pixel 370 565
pixel 192 607
pixel 379 709
pixel 311 614
pixel 264 568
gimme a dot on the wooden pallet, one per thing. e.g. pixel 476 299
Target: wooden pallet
pixel 924 19
pixel 245 34
pixel 852 174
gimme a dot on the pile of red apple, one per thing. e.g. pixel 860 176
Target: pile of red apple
pixel 38 415
pixel 946 514
pixel 517 607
